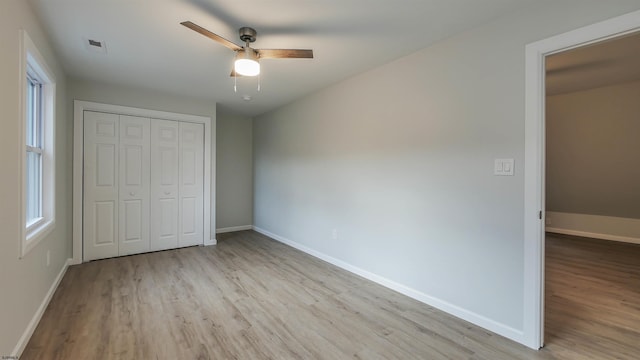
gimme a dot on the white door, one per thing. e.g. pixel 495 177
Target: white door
pixel 143 185
pixel 134 185
pixel 164 184
pixel 100 205
pixel 191 185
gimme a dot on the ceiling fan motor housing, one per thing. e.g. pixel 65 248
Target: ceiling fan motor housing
pixel 247 34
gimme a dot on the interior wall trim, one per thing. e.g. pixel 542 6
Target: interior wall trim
pixel 594 226
pixel 457 311
pixel 31 327
pixel 234 228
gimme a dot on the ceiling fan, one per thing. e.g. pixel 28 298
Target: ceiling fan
pixel 247 58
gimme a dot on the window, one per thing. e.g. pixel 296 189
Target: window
pixel 34 151
pixel 37 106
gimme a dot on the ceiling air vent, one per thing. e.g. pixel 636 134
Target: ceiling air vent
pixel 96 45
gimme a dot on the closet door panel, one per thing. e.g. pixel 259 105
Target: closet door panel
pixel 191 185
pixel 143 185
pixel 100 202
pixel 134 185
pixel 164 184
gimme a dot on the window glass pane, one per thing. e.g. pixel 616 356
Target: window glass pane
pixel 34 158
pixel 34 111
pixel 30 112
pixel 34 186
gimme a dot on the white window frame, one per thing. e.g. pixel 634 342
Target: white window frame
pixel 32 64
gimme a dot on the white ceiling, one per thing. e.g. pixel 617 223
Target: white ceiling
pixel 146 46
pixel 604 63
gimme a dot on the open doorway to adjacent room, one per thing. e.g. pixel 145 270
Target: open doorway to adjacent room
pixel 592 199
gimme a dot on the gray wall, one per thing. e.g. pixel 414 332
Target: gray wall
pixel 399 160
pixel 148 99
pixel 593 151
pixel 88 90
pixel 234 185
pixel 25 282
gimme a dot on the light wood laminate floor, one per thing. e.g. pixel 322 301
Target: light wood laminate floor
pixel 592 298
pixel 251 297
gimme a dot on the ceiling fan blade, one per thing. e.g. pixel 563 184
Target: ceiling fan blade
pixel 211 35
pixel 285 54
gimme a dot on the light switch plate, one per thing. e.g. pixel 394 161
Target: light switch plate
pixel 503 167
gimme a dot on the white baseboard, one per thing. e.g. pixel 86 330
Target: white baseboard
pixel 482 321
pixel 234 228
pixel 26 336
pixel 211 242
pixel 594 226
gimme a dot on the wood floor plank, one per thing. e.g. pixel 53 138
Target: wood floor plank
pixel 251 297
pixel 592 298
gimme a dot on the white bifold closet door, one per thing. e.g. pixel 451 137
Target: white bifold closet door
pixel 100 231
pixel 134 185
pixel 143 185
pixel 165 145
pixel 177 173
pixel 191 178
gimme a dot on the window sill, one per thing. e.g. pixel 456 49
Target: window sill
pixel 36 233
pixel 34 224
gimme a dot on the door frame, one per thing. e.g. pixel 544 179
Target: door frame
pixel 78 159
pixel 534 179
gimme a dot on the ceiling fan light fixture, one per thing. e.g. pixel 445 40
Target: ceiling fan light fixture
pixel 246 63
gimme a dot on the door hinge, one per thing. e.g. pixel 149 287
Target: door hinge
pixel 540 215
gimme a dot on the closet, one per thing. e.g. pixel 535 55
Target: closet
pixel 143 184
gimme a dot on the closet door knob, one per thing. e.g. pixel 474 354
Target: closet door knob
pixel 167 192
pixel 132 194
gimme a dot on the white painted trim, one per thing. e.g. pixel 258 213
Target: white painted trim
pixel 78 146
pixel 594 226
pixel 464 314
pixel 26 335
pixel 591 235
pixel 234 228
pixel 209 186
pixel 534 185
pixel 533 294
pixel 212 182
pixel 30 57
pixel 132 111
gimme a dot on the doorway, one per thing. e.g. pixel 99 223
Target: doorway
pixel 534 211
pixel 592 292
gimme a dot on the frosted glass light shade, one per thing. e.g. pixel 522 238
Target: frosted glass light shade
pixel 246 63
pixel 247 67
